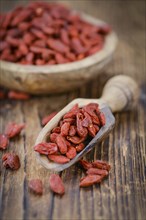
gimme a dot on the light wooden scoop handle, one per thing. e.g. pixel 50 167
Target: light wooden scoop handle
pixel 120 93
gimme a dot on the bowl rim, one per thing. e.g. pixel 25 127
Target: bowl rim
pixel 107 50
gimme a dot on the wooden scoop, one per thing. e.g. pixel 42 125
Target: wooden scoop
pixel 120 93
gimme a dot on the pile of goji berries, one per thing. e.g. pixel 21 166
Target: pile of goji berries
pixel 48 33
pixel 67 139
pixel 96 171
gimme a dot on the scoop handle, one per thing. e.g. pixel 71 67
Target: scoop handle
pixel 120 93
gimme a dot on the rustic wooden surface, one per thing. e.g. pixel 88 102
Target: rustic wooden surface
pixel 123 194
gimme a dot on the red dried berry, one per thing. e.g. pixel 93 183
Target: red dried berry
pixel 96 171
pixel 65 129
pixel 61 143
pixel 59 159
pixel 80 147
pixel 92 130
pixel 58 46
pixel 36 186
pixel 72 130
pixel 53 137
pixel 71 153
pixel 56 130
pixel 13 129
pixel 85 164
pixel 76 139
pixel 18 95
pixel 4 141
pixel 56 184
pixel 47 118
pixel 72 113
pixel 11 161
pixel 102 119
pixel 89 180
pixel 87 120
pixel 101 165
pixel 82 132
pixel 46 148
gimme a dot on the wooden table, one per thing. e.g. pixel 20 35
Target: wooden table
pixel 123 194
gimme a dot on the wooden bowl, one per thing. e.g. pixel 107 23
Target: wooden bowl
pixel 60 77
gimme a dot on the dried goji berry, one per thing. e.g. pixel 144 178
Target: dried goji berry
pixel 80 56
pixel 58 46
pixel 18 95
pixel 65 129
pixel 87 120
pixel 36 186
pixel 48 30
pixel 92 130
pixel 21 16
pixel 71 152
pixel 96 128
pixel 4 141
pixel 24 26
pixel 56 130
pixel 11 160
pixel 39 62
pixel 89 180
pixel 38 33
pixel 64 36
pixel 70 120
pixel 30 57
pixel 7 20
pixel 15 42
pixel 82 132
pixel 39 43
pixel 28 38
pixel 72 113
pixel 72 131
pixel 95 49
pixel 59 159
pixel 76 139
pixel 47 118
pixel 80 147
pixel 85 164
pixel 23 49
pixel 3 45
pixel 13 129
pixel 46 148
pixel 96 171
pixel 102 118
pixel 56 184
pixel 53 137
pixel 101 165
pixel 77 46
pixel 68 143
pixel 61 143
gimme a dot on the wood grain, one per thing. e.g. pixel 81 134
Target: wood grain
pixel 122 195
